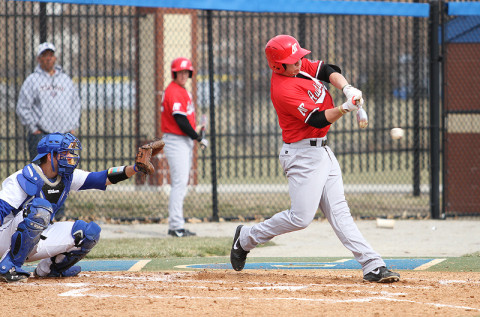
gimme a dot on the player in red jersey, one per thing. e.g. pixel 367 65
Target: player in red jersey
pixel 179 132
pixel 305 113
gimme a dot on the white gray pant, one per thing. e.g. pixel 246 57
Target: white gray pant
pixel 57 239
pixel 178 150
pixel 314 180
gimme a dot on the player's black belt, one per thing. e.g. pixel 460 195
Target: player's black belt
pixel 314 142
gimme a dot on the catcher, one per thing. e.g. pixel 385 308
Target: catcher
pixel 30 197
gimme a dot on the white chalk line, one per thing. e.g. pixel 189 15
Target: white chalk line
pixel 446 282
pixel 180 277
pixel 82 291
pixel 428 264
pixel 138 266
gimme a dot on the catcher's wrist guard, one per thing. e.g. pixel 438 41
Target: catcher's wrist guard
pixel 117 174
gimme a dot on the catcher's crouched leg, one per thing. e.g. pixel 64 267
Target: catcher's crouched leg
pixel 36 218
pixel 86 236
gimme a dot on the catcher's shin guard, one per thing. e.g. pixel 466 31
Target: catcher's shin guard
pixel 36 219
pixel 86 236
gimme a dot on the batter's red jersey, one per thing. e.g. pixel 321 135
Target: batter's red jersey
pixel 176 100
pixel 295 99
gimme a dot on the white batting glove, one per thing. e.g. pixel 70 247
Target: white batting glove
pixel 203 143
pixel 348 106
pixel 352 93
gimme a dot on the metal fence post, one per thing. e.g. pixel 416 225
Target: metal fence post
pixel 211 82
pixel 434 110
pixel 416 105
pixel 43 22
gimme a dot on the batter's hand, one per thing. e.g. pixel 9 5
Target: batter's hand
pixel 203 143
pixel 352 93
pixel 350 105
pixel 200 128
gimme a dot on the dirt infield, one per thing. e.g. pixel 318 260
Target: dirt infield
pixel 253 293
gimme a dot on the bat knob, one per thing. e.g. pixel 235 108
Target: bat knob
pixel 362 118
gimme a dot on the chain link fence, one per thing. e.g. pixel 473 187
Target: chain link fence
pixel 119 61
pixel 461 112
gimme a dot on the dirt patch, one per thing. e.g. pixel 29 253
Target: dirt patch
pixel 253 293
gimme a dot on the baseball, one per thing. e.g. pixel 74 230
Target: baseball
pixel 397 133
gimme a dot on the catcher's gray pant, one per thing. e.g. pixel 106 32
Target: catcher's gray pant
pixel 178 150
pixel 314 179
pixel 57 239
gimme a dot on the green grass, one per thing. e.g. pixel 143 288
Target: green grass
pixel 461 264
pixel 162 248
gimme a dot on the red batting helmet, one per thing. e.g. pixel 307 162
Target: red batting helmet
pixel 180 64
pixel 283 49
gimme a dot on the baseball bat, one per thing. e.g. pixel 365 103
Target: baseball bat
pixel 203 123
pixel 362 117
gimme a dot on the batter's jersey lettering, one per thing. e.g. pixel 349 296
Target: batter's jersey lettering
pixel 296 98
pixel 302 109
pixel 176 100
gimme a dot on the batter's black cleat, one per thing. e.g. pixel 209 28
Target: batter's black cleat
pixel 13 276
pixel 180 233
pixel 381 275
pixel 238 256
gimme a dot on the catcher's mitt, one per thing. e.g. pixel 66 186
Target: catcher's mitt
pixel 144 155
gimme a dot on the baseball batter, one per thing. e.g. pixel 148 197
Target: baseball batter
pixel 29 200
pixel 179 132
pixel 305 113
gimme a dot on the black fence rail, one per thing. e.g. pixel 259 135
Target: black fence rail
pixel 119 61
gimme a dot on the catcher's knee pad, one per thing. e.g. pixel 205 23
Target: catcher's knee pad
pixel 86 236
pixel 36 219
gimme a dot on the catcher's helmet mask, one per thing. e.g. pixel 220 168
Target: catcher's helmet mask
pixel 182 63
pixel 67 145
pixel 283 49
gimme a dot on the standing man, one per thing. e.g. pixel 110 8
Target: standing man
pixel 29 200
pixel 48 101
pixel 179 132
pixel 305 112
